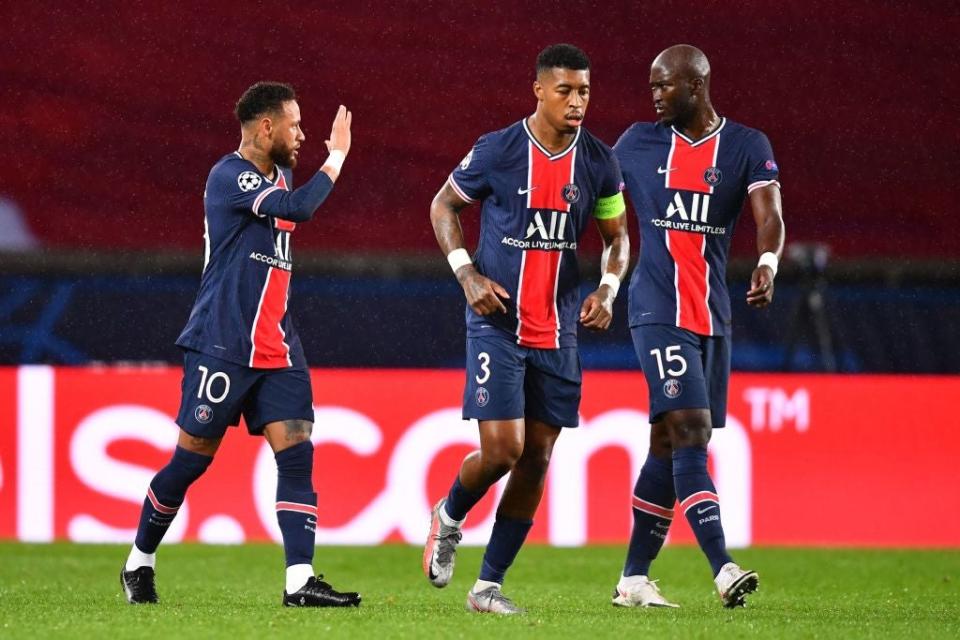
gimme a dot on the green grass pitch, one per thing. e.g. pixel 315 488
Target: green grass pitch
pixel 72 591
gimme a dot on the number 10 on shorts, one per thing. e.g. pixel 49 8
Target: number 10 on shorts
pixel 672 355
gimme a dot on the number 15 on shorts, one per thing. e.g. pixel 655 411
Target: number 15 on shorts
pixel 670 355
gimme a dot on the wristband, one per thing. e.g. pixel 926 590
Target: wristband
pixel 612 281
pixel 458 258
pixel 769 259
pixel 335 160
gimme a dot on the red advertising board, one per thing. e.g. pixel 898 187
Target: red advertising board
pixel 804 460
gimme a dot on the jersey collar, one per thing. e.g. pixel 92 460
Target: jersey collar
pixel 723 122
pixel 550 156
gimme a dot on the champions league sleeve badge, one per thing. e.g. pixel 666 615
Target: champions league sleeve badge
pixel 249 181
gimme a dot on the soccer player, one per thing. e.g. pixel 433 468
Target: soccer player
pixel 687 176
pixel 241 352
pixel 540 180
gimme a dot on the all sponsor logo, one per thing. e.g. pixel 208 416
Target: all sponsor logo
pixel 203 414
pixel 571 193
pixel 466 160
pixel 672 388
pixel 771 165
pixel 483 396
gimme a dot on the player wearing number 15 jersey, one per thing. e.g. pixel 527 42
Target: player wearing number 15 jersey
pixel 687 176
pixel 541 181
pixel 241 353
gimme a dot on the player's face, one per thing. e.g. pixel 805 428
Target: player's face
pixel 563 96
pixel 286 136
pixel 672 99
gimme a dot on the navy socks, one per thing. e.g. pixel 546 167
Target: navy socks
pixel 297 502
pixel 653 499
pixel 165 495
pixel 700 504
pixel 505 542
pixel 460 500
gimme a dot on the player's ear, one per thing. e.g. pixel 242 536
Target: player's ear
pixel 538 90
pixel 266 125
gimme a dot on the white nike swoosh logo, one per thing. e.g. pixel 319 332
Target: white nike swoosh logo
pixel 661 525
pixel 522 192
pixel 647 313
pixel 703 511
pixel 662 171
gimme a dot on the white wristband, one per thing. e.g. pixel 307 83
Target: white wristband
pixel 335 160
pixel 769 259
pixel 458 258
pixel 612 281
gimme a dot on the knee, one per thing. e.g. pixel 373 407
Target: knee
pixel 535 460
pixel 688 429
pixel 503 455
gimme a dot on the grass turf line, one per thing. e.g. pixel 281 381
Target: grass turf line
pixel 73 591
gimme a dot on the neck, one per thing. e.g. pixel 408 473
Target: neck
pixel 252 151
pixel 553 140
pixel 703 123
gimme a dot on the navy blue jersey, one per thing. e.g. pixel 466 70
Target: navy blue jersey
pixel 240 313
pixel 688 196
pixel 536 204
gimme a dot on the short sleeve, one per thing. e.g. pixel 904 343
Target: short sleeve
pixel 762 169
pixel 471 179
pixel 610 202
pixel 242 188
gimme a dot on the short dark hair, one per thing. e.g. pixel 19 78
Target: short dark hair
pixel 565 56
pixel 261 98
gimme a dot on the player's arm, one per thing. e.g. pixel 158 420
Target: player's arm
pixel 483 294
pixel 597 309
pixel 768 215
pixel 300 204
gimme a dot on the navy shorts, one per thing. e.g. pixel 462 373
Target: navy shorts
pixel 506 381
pixel 684 370
pixel 216 392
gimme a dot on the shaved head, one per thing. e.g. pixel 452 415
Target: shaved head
pixel 684 61
pixel 680 82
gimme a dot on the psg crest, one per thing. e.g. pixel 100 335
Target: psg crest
pixel 571 193
pixel 672 388
pixel 203 414
pixel 483 396
pixel 712 176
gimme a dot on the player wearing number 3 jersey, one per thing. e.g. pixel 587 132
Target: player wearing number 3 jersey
pixel 241 352
pixel 687 177
pixel 541 182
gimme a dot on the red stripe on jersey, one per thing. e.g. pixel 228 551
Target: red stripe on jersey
pixel 691 281
pixel 538 325
pixel 689 162
pixel 269 349
pixel 283 225
pixel 538 319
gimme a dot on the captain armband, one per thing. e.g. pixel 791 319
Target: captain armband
pixel 609 207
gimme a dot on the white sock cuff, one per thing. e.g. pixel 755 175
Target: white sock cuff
pixel 446 519
pixel 297 576
pixel 138 559
pixel 480 585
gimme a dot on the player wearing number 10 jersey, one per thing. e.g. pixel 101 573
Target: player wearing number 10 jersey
pixel 541 182
pixel 241 354
pixel 687 176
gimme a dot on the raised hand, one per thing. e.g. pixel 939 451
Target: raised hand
pixel 340 132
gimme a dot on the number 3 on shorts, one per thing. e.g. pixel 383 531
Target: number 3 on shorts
pixel 671 354
pixel 206 385
pixel 484 359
